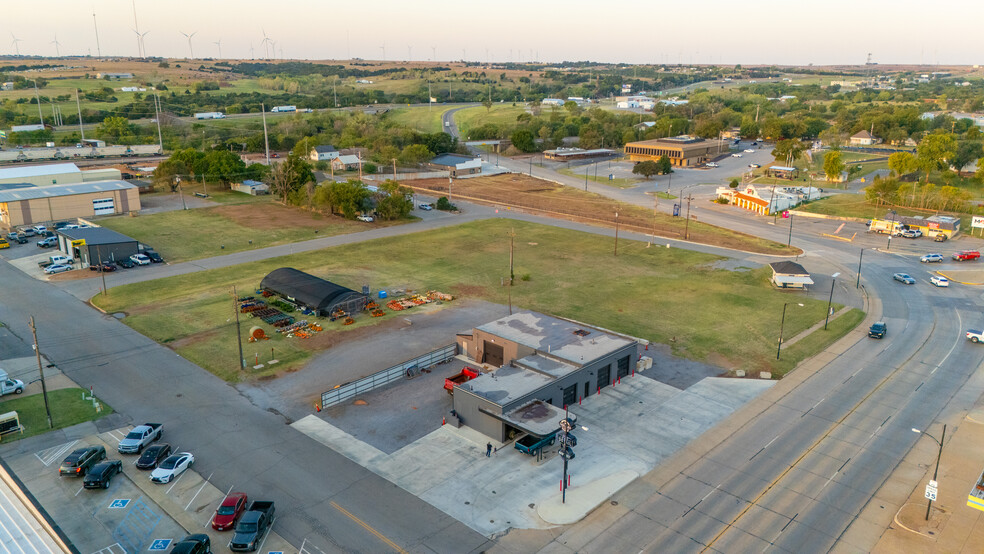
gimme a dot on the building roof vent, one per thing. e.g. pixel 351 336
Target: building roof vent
pixel 582 333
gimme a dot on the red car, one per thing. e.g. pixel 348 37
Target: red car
pixel 229 511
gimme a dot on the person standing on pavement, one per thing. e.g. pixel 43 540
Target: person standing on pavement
pixel 488 450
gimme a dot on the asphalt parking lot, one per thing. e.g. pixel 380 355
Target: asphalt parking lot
pixel 133 514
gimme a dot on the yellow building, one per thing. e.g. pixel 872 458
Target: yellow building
pixel 682 151
pixel 27 205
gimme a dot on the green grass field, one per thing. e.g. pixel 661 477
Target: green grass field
pixel 669 296
pixel 184 235
pixel 618 182
pixel 67 408
pixel 502 114
pixel 422 119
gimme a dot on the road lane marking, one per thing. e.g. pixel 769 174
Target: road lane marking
pixel 205 482
pixel 774 439
pixel 369 528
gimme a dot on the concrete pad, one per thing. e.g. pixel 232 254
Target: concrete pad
pixel 584 499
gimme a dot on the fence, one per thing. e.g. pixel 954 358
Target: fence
pixel 407 370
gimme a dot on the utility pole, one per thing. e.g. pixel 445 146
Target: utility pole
pixel 101 272
pixel 78 106
pixel 157 114
pixel 37 95
pixel 686 227
pixel 512 237
pixel 616 233
pixel 394 170
pixel 44 387
pixel 239 332
pixel 266 139
pixel 860 257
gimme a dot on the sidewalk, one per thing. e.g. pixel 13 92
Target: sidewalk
pixel 808 332
pixel 953 526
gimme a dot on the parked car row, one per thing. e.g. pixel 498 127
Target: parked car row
pixel 937 280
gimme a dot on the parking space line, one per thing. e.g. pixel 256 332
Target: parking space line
pixel 217 507
pixel 110 549
pixel 49 455
pixel 266 536
pixel 205 482
pixel 80 490
pixel 183 473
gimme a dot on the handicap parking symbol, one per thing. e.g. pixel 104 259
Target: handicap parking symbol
pixel 275 552
pixel 119 503
pixel 159 544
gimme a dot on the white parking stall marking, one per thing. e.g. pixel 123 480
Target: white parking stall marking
pixel 49 455
pixel 209 520
pixel 183 473
pixel 80 490
pixel 205 482
pixel 114 548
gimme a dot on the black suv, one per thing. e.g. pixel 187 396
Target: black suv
pixel 877 330
pixel 154 256
pixel 101 474
pixel 81 460
pixel 193 544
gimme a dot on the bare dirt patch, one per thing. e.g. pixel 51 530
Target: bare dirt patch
pixel 273 216
pixel 556 200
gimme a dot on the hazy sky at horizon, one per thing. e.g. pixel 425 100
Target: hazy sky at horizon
pixel 718 31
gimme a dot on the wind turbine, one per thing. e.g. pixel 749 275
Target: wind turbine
pixel 192 49
pixel 57 44
pixel 219 44
pixel 136 29
pixel 96 27
pixel 266 44
pixel 14 43
pixel 251 51
pixel 141 50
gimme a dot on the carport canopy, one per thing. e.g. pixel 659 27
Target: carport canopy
pixel 536 418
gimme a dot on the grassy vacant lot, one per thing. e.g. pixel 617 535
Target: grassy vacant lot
pixel 618 182
pixel 423 119
pixel 67 408
pixel 192 234
pixel 538 195
pixel 502 114
pixel 669 296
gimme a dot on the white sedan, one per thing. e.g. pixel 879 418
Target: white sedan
pixel 749 151
pixel 736 155
pixel 140 259
pixel 172 467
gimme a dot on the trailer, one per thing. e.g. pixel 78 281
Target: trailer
pixel 284 109
pixel 210 115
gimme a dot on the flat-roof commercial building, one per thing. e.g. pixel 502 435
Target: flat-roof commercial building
pixel 26 205
pixel 55 174
pixel 566 154
pixel 682 151
pixel 95 244
pixel 528 357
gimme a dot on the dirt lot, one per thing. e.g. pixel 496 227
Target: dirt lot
pixel 548 198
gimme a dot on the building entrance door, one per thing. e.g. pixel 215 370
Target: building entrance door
pixel 604 376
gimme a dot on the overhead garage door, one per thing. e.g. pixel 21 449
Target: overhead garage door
pixel 492 354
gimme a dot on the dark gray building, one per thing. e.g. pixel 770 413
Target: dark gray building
pixel 315 293
pixel 530 356
pixel 92 244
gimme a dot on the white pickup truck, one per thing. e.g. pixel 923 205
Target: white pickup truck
pixel 974 335
pixel 139 437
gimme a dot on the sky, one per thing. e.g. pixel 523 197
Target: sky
pixel 630 31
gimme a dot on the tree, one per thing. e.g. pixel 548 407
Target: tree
pixel 734 184
pixel 444 204
pixel 967 152
pixel 349 197
pixel 935 152
pixel 523 140
pixel 115 129
pixel 647 169
pixel 902 163
pixel 833 165
pixel 415 154
pixel 980 169
pixel 394 201
pixel 488 105
pixel 290 175
pixel 665 165
pixel 882 191
pixel 788 150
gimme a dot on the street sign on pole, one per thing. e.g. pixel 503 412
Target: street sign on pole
pixel 931 490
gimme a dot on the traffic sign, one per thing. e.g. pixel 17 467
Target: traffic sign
pixel 931 490
pixel 159 545
pixel 567 439
pixel 566 453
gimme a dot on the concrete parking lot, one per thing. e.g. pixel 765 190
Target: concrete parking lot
pixel 134 514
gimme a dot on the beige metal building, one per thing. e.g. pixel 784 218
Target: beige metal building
pixel 31 204
pixel 55 174
pixel 682 151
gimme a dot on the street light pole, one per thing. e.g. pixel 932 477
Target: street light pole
pixel 860 256
pixel 789 241
pixel 782 325
pixel 939 455
pixel 891 231
pixel 833 279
